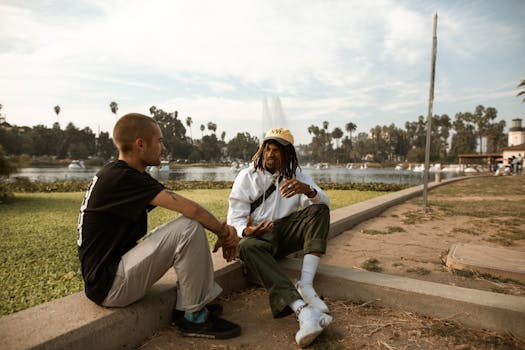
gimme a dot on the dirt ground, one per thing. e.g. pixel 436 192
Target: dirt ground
pixel 407 241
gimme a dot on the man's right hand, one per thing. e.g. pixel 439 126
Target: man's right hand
pixel 258 230
pixel 229 242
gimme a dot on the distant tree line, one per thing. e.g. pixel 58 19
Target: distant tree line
pixel 467 132
pixel 75 143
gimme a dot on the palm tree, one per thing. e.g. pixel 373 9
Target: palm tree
pixel 337 133
pixel 114 108
pixel 312 129
pixel 522 92
pixel 350 128
pixel 202 130
pixel 189 121
pixel 212 127
pixel 57 111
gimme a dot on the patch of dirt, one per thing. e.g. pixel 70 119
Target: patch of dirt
pixel 405 241
pixel 355 326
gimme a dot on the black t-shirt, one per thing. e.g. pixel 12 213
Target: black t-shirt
pixel 113 217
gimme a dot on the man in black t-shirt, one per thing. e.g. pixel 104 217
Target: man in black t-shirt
pixel 113 217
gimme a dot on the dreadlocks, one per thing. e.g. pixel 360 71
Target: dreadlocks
pixel 289 162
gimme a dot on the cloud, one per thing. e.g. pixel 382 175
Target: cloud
pixel 341 61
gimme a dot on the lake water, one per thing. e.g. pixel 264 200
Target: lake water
pixel 333 175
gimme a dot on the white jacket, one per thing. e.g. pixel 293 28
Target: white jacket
pixel 249 185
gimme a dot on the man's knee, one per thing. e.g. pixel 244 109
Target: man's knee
pixel 184 228
pixel 322 209
pixel 248 246
pixel 188 225
pixel 318 210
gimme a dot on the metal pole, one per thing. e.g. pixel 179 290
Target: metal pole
pixel 429 115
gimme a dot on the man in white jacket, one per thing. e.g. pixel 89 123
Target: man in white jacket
pixel 278 210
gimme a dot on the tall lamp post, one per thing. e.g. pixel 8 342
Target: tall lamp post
pixel 429 116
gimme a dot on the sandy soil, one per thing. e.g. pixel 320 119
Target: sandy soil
pixel 404 240
pixel 420 247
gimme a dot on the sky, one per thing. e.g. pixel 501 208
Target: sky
pixel 365 62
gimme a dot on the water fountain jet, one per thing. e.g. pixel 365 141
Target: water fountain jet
pixel 273 117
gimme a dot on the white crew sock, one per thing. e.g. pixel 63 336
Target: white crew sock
pixel 296 305
pixel 310 264
pixel 305 285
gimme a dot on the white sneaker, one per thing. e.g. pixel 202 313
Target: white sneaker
pixel 310 297
pixel 311 323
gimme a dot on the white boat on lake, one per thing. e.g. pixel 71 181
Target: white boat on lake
pixel 419 168
pixel 76 164
pixel 237 166
pixel 164 166
pixel 322 166
pixel 451 168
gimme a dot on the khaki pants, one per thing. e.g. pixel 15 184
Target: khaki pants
pixel 305 230
pixel 181 243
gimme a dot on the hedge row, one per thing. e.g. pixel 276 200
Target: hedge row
pixel 22 184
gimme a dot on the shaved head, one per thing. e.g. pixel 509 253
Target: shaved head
pixel 131 127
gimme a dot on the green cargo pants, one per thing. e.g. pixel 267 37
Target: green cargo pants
pixel 305 230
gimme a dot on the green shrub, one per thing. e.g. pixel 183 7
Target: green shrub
pixel 5 193
pixel 23 184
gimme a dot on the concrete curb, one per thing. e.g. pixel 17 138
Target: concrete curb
pixel 503 263
pixel 74 322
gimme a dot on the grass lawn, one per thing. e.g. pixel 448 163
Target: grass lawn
pixel 38 250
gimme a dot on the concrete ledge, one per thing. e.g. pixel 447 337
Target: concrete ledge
pixel 74 322
pixel 498 262
pixel 470 307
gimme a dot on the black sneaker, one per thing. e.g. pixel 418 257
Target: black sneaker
pixel 213 309
pixel 213 328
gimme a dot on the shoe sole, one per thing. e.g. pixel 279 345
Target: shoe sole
pixel 198 335
pixel 324 321
pixel 233 334
pixel 208 330
pixel 309 338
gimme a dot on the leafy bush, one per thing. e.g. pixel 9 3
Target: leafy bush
pixel 5 193
pixel 22 184
pixel 6 166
